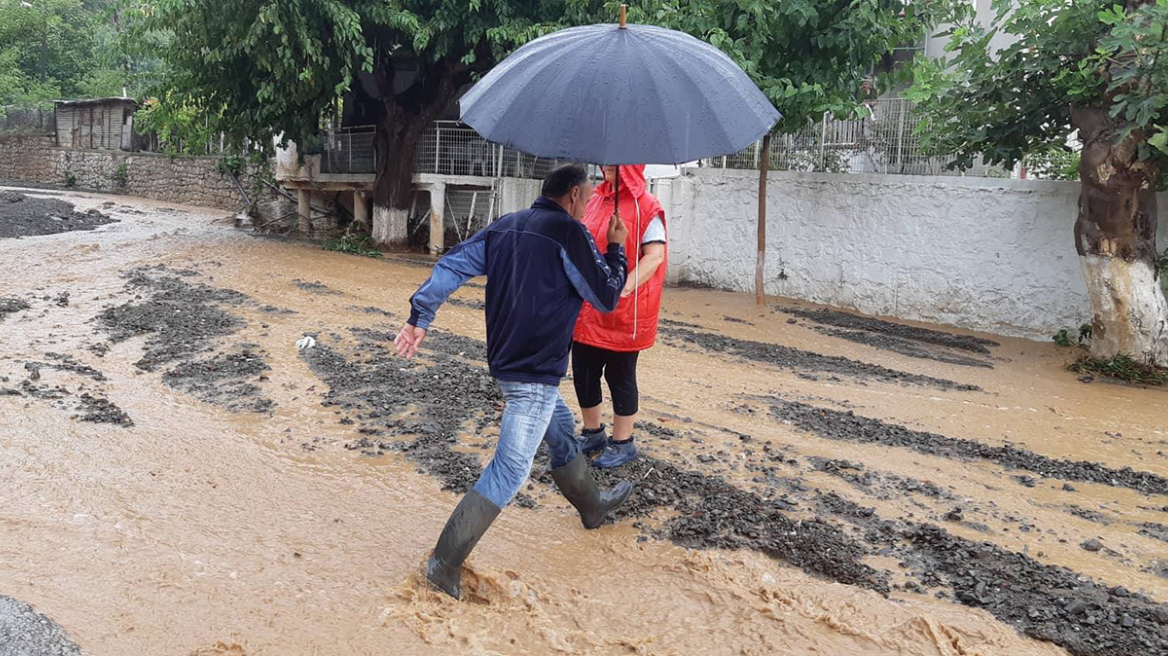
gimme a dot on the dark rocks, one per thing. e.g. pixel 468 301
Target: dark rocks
pixel 448 396
pixel 468 303
pixel 25 632
pixel 850 427
pixel 32 216
pixel 100 410
pixel 183 320
pixel 1042 601
pixel 924 335
pixel 227 380
pixel 1092 545
pixel 316 287
pixel 903 347
pixel 800 361
pixel 10 305
pixel 711 513
pixel 1153 530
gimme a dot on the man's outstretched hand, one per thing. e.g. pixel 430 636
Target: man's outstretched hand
pixel 409 340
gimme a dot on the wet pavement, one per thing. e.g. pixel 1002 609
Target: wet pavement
pixel 185 479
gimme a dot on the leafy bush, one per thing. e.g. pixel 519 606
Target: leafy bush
pixel 1122 367
pixel 354 243
pixel 121 176
pixel 1054 164
pixel 182 129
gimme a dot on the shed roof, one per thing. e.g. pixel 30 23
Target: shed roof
pixel 95 101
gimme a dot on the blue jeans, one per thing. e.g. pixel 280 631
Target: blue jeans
pixel 534 413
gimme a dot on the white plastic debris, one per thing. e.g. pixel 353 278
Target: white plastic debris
pixel 306 342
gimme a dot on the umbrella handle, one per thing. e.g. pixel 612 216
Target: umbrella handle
pixel 616 194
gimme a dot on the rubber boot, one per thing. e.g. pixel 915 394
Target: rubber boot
pixel 470 519
pixel 575 482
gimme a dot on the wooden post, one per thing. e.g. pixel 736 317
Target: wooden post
pixel 760 265
pixel 624 17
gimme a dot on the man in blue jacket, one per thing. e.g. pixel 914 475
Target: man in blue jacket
pixel 541 265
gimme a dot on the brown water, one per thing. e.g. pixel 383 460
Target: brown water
pixel 200 531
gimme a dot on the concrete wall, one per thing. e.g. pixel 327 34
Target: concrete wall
pixel 192 180
pixel 517 194
pixel 981 253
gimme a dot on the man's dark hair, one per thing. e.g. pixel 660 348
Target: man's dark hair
pixel 561 180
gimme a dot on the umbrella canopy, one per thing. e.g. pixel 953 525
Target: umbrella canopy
pixel 611 95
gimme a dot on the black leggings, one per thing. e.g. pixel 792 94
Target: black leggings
pixel 589 363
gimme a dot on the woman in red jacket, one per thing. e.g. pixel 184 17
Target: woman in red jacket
pixel 607 345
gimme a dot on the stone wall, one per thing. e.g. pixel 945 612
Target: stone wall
pixel 189 180
pixel 987 254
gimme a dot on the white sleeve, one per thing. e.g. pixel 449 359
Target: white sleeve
pixel 655 233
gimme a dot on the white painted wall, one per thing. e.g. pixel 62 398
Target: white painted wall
pixel 980 253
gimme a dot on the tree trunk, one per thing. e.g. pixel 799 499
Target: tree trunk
pixel 405 117
pixel 760 264
pixel 395 144
pixel 1115 236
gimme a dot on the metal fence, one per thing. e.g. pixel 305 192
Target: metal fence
pixel 349 150
pixel 452 148
pixel 468 209
pixel 884 142
pixel 27 120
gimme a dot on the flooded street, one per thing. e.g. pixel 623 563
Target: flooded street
pixel 180 478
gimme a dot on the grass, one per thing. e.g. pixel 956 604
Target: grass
pixel 1122 367
pixel 354 244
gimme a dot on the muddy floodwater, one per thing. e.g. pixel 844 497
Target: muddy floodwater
pixel 180 478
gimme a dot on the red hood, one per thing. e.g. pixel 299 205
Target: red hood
pixel 632 181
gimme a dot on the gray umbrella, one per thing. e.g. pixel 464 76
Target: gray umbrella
pixel 608 94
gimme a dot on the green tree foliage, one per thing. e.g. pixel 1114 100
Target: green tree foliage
pixel 1088 54
pixel 1054 163
pixel 275 68
pixel 61 49
pixel 182 129
pixel 810 57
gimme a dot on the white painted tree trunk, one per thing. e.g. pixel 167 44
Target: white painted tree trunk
pixel 390 226
pixel 1128 309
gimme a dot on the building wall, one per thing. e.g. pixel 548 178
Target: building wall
pixel 191 180
pixel 92 126
pixel 981 253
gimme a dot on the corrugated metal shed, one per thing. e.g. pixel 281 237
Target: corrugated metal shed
pixel 95 124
